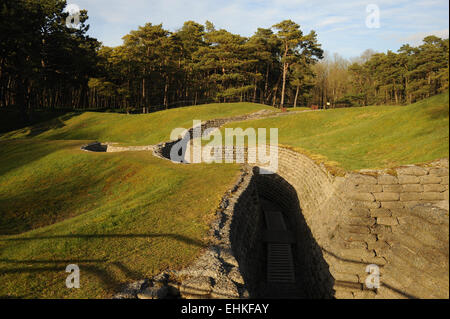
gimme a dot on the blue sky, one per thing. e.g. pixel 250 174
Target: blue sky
pixel 340 25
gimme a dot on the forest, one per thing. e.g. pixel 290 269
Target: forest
pixel 45 64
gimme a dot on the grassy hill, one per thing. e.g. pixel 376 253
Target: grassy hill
pixel 367 137
pixel 133 129
pixel 119 216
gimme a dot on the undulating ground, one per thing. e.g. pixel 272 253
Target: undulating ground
pixel 133 129
pixel 367 137
pixel 119 216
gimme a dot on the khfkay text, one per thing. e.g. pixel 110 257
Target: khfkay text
pixel 228 308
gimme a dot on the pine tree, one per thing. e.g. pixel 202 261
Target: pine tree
pixel 294 45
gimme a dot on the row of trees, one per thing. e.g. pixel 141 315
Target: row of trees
pixel 155 67
pixel 43 63
pixel 411 74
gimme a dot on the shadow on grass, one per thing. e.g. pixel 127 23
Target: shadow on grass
pixel 11 120
pixel 177 237
pixel 37 127
pixel 108 281
pixel 437 107
pixel 94 267
pixel 53 124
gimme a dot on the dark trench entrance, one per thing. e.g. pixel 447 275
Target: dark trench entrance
pixel 277 253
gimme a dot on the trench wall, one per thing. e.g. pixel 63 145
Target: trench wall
pixel 246 238
pixel 396 220
pixel 311 270
pixel 403 221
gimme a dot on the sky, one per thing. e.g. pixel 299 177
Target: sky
pixel 346 27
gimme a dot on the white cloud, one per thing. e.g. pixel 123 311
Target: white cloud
pixel 332 20
pixel 417 38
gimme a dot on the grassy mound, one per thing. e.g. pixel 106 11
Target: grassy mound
pixel 133 129
pixel 119 216
pixel 130 218
pixel 368 137
pixel 11 120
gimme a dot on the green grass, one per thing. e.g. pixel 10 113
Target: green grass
pixel 130 217
pixel 127 216
pixel 368 137
pixel 119 216
pixel 298 108
pixel 137 129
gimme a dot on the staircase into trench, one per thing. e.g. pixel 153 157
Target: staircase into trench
pixel 280 278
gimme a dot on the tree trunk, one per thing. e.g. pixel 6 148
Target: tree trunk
pixel 143 92
pixel 166 88
pixel 283 89
pixel 266 86
pixel 321 96
pixel 21 99
pixel 395 94
pixel 296 96
pixel 274 99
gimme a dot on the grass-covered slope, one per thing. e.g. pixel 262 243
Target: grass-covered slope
pixel 367 137
pixel 119 216
pixel 130 217
pixel 133 129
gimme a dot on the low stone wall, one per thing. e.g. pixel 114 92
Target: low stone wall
pixel 162 150
pixel 396 220
pixel 403 187
pixel 112 148
pixel 317 204
pixel 227 269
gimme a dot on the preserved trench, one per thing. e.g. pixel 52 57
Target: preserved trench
pixel 304 233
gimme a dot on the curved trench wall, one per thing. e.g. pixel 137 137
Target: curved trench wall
pixel 162 150
pixel 344 224
pixel 313 278
pixel 246 238
pixel 312 207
